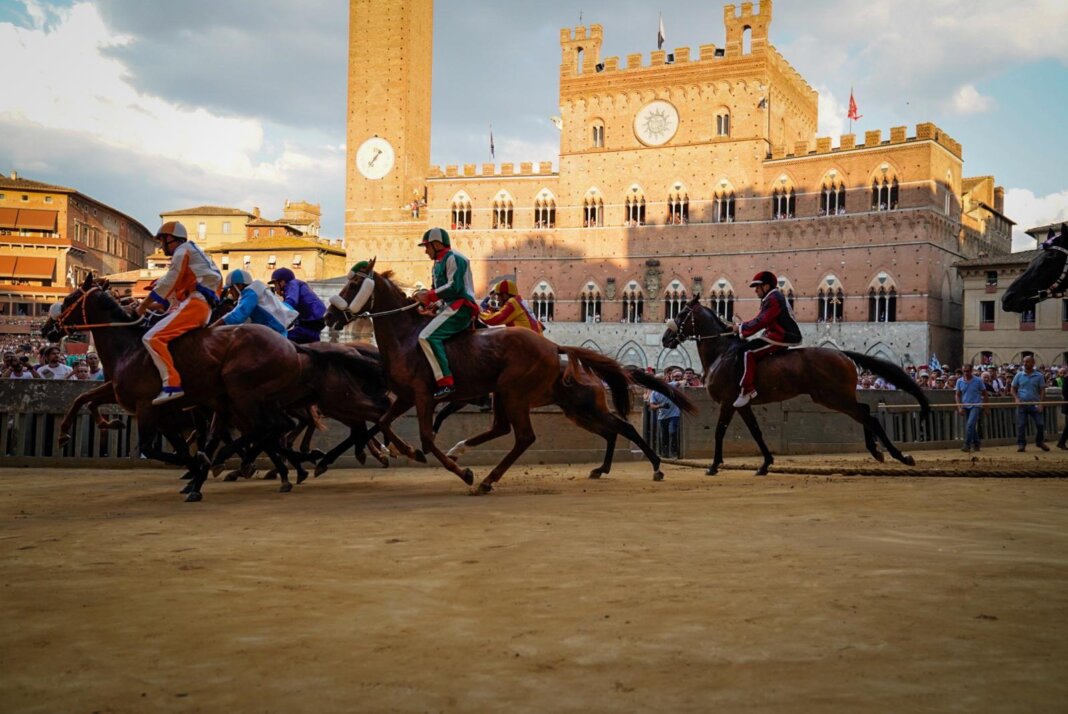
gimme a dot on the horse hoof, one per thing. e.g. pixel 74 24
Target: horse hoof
pixel 475 491
pixel 361 457
pixel 383 462
pixel 188 488
pixel 469 477
pixel 320 470
pixel 285 487
pixel 908 460
pixel 420 457
pixel 762 471
pixel 302 476
pixel 879 456
pixel 711 471
pixel 270 475
pixel 63 440
pixel 658 476
pixel 193 497
pixel 596 473
pixel 485 487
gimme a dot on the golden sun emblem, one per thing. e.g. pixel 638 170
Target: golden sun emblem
pixel 657 123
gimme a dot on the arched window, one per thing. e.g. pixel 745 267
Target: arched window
pixel 831 300
pixel 832 195
pixel 783 199
pixel 597 134
pixel 721 299
pixel 635 207
pixel 787 290
pixel 461 212
pixel 723 122
pixel 545 210
pixel 502 210
pixel 542 302
pixel 674 299
pixel 723 203
pixel 633 303
pixel 678 206
pixel 590 301
pixel 592 209
pixel 884 189
pixel 882 299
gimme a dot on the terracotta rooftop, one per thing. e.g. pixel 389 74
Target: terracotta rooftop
pixel 277 243
pixel 1021 258
pixel 207 211
pixel 18 183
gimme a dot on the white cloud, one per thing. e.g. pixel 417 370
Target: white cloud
pixel 66 82
pixel 968 100
pixel 832 115
pixel 1029 210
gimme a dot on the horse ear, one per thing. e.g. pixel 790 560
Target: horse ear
pixel 88 282
pixel 371 265
pixel 695 300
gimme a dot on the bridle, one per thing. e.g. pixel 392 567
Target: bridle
pixel 1060 285
pixel 349 315
pixel 685 317
pixel 82 301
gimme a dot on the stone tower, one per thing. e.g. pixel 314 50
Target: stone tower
pixel 388 135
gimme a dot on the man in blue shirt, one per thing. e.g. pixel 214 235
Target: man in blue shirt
pixel 299 296
pixel 668 417
pixel 256 304
pixel 971 394
pixel 1029 386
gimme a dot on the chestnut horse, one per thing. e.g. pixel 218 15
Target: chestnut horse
pixel 520 368
pixel 829 377
pixel 1045 277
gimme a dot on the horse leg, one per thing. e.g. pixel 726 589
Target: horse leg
pixel 498 428
pixel 104 394
pixel 749 418
pixel 424 410
pixel 873 424
pixel 627 430
pixel 609 452
pixel 726 413
pixel 861 414
pixel 395 410
pixel 518 415
pixel 447 411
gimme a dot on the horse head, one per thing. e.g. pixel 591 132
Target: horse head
pixel 1045 277
pixel 88 305
pixel 356 294
pixel 694 321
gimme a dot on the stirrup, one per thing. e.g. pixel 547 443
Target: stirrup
pixel 443 392
pixel 743 399
pixel 168 394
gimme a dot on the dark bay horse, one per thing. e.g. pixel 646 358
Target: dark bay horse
pixel 237 372
pixel 1045 277
pixel 829 377
pixel 519 367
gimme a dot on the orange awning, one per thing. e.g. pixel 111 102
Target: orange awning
pixel 7 266
pixel 8 217
pixel 34 268
pixel 37 219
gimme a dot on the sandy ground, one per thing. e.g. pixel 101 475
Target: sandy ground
pixel 392 590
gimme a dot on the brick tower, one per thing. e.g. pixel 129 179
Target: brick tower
pixel 388 136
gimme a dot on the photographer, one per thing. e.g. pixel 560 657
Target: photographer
pixel 17 367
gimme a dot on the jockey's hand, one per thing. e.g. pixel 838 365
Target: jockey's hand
pixel 427 310
pixel 422 296
pixel 736 328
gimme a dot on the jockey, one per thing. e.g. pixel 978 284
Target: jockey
pixel 512 310
pixel 256 304
pixel 773 330
pixel 451 284
pixel 187 292
pixel 299 296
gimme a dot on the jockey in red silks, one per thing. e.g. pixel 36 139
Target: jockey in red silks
pixel 773 330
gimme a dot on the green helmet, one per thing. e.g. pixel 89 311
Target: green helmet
pixel 436 234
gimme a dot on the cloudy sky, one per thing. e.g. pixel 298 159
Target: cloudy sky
pixel 153 105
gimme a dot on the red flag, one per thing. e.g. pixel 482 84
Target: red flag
pixel 853 107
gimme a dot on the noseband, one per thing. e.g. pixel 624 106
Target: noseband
pixel 348 315
pixel 679 327
pixel 83 298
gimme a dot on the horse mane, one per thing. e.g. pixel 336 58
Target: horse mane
pixel 114 310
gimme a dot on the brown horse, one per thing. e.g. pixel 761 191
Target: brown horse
pixel 236 371
pixel 519 367
pixel 828 376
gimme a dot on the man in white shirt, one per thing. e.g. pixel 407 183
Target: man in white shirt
pixel 54 367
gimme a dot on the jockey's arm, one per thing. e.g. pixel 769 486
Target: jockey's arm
pixel 769 313
pixel 501 317
pixel 242 311
pixel 452 288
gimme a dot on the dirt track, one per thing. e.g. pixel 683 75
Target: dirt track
pixel 392 590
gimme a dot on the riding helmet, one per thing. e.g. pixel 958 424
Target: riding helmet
pixel 238 277
pixel 436 234
pixel 507 287
pixel 282 274
pixel 764 277
pixel 172 228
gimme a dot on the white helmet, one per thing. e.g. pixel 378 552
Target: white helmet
pixel 173 228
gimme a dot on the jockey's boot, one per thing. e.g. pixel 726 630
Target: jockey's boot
pixel 744 398
pixel 169 394
pixel 443 392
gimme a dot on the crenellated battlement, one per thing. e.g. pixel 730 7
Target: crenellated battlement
pixel 925 131
pixel 526 168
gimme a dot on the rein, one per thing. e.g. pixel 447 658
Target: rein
pixel 86 325
pixel 350 315
pixel 682 336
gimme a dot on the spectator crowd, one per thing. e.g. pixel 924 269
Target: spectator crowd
pixel 41 360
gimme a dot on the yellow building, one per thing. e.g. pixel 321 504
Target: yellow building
pixel 51 237
pixel 679 173
pixel 308 258
pixel 212 226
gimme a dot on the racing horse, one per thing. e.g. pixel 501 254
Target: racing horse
pixel 829 377
pixel 235 371
pixel 1045 277
pixel 519 367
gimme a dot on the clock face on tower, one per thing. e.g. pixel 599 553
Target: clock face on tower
pixel 656 123
pixel 374 158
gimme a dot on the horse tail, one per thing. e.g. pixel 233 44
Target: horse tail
pixel 643 378
pixel 607 369
pixel 895 375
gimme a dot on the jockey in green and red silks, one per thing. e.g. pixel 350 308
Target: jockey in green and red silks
pixel 452 285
